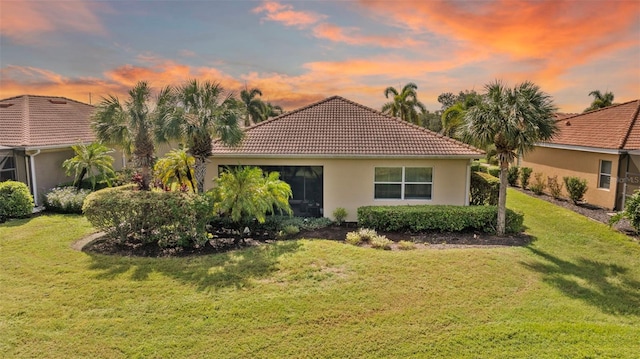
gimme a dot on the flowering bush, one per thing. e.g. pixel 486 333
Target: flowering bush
pixel 65 199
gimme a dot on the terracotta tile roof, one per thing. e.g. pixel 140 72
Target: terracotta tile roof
pixel 337 127
pixel 32 121
pixel 613 127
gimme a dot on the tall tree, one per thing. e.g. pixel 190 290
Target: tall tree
pixel 404 104
pixel 453 117
pixel 197 113
pixel 513 119
pixel 600 100
pixel 129 126
pixel 268 110
pixel 89 159
pixel 252 105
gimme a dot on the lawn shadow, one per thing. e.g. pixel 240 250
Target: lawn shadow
pixel 215 271
pixel 607 286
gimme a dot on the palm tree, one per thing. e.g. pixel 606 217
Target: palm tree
pixel 453 117
pixel 129 126
pixel 404 103
pixel 89 160
pixel 600 100
pixel 513 120
pixel 175 171
pixel 252 105
pixel 198 113
pixel 268 110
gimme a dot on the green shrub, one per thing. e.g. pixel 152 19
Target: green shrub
pixel 15 200
pixel 65 199
pixel 484 189
pixel 441 218
pixel 288 231
pixel 494 171
pixel 525 173
pixel 555 187
pixel 353 238
pixel 406 245
pixel 631 211
pixel 367 234
pixel 475 166
pixel 576 188
pixel 274 224
pixel 512 175
pixel 340 214
pixel 381 242
pixel 170 219
pixel 538 186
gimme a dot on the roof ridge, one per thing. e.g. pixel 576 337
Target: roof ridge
pixel 46 96
pixel 601 109
pixel 26 125
pixel 632 121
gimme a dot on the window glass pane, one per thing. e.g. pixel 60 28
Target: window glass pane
pixel 7 175
pixel 388 191
pixel 417 191
pixel 605 181
pixel 388 174
pixel 417 174
pixel 7 162
pixel 605 167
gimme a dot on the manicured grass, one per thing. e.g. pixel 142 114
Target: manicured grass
pixel 573 293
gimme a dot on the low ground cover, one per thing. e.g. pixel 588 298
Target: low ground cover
pixel 572 292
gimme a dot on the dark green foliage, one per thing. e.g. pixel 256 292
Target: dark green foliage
pixel 555 187
pixel 475 166
pixel 65 199
pixel 484 189
pixel 416 219
pixel 525 173
pixel 170 219
pixel 512 175
pixel 631 211
pixel 15 200
pixel 576 188
pixel 274 224
pixel 494 171
pixel 340 214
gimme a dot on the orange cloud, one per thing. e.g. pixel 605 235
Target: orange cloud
pixel 351 36
pixel 25 21
pixel 285 14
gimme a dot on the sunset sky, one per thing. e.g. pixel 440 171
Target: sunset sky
pixel 298 52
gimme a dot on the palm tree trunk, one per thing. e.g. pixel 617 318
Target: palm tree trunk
pixel 201 171
pixel 80 178
pixel 502 198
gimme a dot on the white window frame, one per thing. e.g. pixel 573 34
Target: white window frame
pixel 403 182
pixel 601 174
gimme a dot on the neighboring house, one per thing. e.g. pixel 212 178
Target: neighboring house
pixel 36 135
pixel 337 153
pixel 601 146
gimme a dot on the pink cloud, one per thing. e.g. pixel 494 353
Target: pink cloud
pixel 274 11
pixel 352 36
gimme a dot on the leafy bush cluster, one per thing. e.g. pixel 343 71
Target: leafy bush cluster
pixel 274 224
pixel 576 188
pixel 441 218
pixel 484 189
pixel 555 187
pixel 15 200
pixel 494 171
pixel 525 173
pixel 340 214
pixel 512 175
pixel 538 186
pixel 366 235
pixel 65 199
pixel 631 211
pixel 170 219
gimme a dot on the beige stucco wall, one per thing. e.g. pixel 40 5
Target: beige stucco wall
pixel 349 183
pixel 563 162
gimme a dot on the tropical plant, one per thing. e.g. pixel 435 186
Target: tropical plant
pixel 244 193
pixel 252 105
pixel 404 104
pixel 600 100
pixel 130 126
pixel 453 116
pixel 87 160
pixel 175 171
pixel 268 110
pixel 196 114
pixel 513 119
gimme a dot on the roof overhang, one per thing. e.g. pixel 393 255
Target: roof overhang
pixel 346 156
pixel 611 151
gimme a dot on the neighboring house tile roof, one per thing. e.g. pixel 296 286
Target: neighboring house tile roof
pixel 613 127
pixel 337 127
pixel 40 121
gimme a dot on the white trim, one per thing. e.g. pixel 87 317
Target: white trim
pixel 609 151
pixel 34 183
pixel 600 174
pixel 467 185
pixel 403 182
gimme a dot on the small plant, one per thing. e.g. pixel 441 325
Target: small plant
pixel 65 199
pixel 406 245
pixel 538 184
pixel 576 188
pixel 367 234
pixel 512 175
pixel 631 211
pixel 15 200
pixel 288 231
pixel 525 173
pixel 340 214
pixel 353 238
pixel 381 242
pixel 555 187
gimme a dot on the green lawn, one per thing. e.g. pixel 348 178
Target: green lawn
pixel 573 293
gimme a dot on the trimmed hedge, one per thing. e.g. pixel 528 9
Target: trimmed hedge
pixel 443 218
pixel 15 200
pixel 494 171
pixel 170 219
pixel 484 189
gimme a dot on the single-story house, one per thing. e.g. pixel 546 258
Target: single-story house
pixel 36 135
pixel 337 153
pixel 601 146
